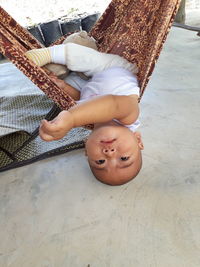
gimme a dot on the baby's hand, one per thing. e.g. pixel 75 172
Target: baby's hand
pixel 58 82
pixel 57 128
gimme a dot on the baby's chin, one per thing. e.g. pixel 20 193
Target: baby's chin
pixel 109 131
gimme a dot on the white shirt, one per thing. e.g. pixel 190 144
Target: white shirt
pixel 112 81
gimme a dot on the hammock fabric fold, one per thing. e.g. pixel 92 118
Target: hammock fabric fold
pixel 134 29
pixel 14 42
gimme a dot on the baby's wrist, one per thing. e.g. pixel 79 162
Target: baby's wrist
pixel 71 120
pixel 74 118
pixel 67 119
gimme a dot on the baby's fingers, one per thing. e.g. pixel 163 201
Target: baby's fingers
pixel 48 126
pixel 46 137
pixel 46 131
pixel 42 132
pixel 52 75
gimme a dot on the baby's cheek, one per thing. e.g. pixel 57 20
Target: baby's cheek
pixel 92 148
pixel 93 156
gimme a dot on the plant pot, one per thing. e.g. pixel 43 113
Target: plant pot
pixel 35 31
pixel 70 26
pixel 89 21
pixel 51 31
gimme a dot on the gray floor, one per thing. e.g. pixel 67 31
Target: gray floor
pixel 55 214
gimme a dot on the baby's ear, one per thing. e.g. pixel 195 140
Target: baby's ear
pixel 139 139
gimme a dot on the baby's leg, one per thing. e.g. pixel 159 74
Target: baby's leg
pixel 87 60
pixel 79 58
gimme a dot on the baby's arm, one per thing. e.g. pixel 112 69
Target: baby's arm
pixel 98 110
pixel 73 92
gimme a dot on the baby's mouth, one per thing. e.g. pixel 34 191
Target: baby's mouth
pixel 108 141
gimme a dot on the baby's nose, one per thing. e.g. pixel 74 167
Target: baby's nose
pixel 109 151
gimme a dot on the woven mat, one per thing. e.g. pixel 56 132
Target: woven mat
pixel 22 106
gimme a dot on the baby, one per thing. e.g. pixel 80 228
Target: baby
pixel 109 100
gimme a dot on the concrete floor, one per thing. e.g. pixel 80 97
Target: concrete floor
pixel 55 214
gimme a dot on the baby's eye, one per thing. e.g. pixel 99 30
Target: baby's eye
pixel 124 158
pixel 100 161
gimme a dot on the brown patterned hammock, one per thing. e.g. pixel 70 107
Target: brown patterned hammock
pixel 134 29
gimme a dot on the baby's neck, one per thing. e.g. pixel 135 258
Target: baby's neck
pixel 108 123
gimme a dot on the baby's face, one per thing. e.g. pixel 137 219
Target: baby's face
pixel 114 153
